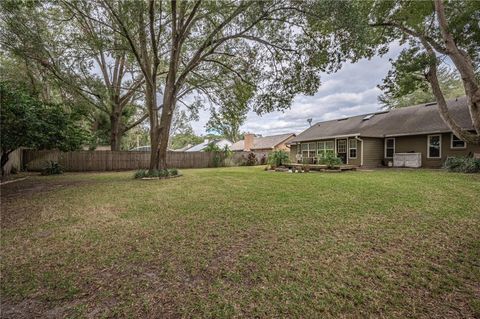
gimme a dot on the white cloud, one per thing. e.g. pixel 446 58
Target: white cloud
pixel 350 91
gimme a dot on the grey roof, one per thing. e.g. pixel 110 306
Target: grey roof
pixel 264 142
pixel 199 147
pixel 417 119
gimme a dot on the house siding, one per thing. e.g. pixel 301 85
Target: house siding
pixel 372 152
pixel 418 144
pixel 293 152
pixel 351 161
pixel 283 146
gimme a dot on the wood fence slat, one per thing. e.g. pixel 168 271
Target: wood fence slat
pixel 116 160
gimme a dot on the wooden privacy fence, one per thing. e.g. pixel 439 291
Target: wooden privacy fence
pixel 79 161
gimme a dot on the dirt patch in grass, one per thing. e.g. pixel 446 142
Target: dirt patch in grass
pixel 32 186
pixel 22 191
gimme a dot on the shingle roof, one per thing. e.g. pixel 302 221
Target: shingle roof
pixel 265 142
pixel 199 147
pixel 417 119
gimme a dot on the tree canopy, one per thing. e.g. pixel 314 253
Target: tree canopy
pixel 399 93
pixel 435 32
pixel 29 122
pixel 233 106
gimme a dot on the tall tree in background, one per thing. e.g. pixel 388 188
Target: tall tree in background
pixel 434 31
pixel 233 106
pixel 85 58
pixel 196 47
pixel 398 90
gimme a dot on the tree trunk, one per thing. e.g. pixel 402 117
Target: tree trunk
pixel 165 124
pixel 464 65
pixel 163 140
pixel 151 103
pixel 115 132
pixel 4 161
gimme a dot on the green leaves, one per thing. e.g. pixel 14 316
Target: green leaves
pixel 28 122
pixel 278 158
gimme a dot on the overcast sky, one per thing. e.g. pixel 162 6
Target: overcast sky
pixel 351 91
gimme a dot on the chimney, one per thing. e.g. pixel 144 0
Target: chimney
pixel 248 142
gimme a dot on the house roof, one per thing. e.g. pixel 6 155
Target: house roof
pixel 264 142
pixel 417 119
pixel 199 147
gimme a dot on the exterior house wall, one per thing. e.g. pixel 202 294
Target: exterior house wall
pixel 351 161
pixel 293 152
pixel 283 146
pixel 373 151
pixel 418 144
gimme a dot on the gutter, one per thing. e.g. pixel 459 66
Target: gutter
pixel 419 133
pixel 361 154
pixel 324 138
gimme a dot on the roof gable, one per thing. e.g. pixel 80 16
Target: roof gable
pixel 264 142
pixel 199 147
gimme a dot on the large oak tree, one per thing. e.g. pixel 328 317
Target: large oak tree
pixel 435 31
pixel 197 48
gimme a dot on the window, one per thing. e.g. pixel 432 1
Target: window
pixel 457 143
pixel 341 146
pixel 434 146
pixel 389 147
pixel 352 148
pixel 308 150
pixel 325 147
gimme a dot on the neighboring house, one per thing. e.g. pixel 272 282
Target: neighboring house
pixel 375 139
pixel 263 145
pixel 98 148
pixel 221 143
pixel 145 148
pixel 183 149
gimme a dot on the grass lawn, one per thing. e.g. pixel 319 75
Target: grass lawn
pixel 242 242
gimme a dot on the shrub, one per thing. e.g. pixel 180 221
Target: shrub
pixel 141 173
pixel 217 160
pixel 278 158
pixel 263 160
pixel 220 155
pixel 462 164
pixel 251 159
pixel 52 168
pixel 330 160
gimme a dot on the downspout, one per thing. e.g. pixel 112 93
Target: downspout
pixel 361 153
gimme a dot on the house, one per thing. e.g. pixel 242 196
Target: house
pixel 183 149
pixel 263 145
pixel 376 139
pixel 221 143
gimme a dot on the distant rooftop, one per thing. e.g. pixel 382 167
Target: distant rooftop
pixel 264 142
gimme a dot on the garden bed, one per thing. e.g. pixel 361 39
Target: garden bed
pixel 306 168
pixel 160 177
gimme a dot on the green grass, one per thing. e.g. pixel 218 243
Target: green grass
pixel 242 242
